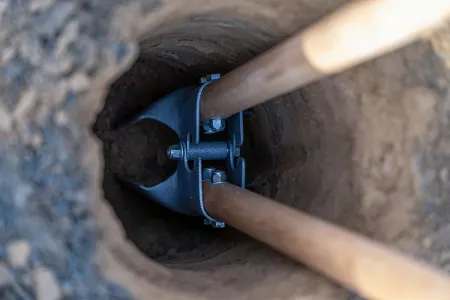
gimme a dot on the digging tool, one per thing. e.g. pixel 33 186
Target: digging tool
pixel 351 35
pixel 356 33
pixel 369 268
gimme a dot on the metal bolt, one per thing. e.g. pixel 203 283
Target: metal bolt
pixel 174 152
pixel 214 224
pixel 217 124
pixel 214 125
pixel 218 177
pixel 207 173
pixel 209 77
pixel 218 224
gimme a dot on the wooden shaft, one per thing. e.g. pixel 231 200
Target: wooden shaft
pixel 353 34
pixel 361 265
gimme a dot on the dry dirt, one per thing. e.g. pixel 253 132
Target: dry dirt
pixel 367 149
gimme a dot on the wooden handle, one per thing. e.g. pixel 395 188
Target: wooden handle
pixel 353 34
pixel 361 265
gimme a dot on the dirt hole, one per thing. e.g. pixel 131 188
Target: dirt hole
pixel 288 147
pixel 339 149
pixel 138 152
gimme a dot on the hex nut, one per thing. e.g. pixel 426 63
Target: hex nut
pixel 174 152
pixel 218 177
pixel 217 124
pixel 214 224
pixel 209 77
pixel 207 173
pixel 218 224
pixel 214 125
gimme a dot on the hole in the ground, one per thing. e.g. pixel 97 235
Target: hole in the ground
pixel 138 152
pixel 309 150
pixel 166 64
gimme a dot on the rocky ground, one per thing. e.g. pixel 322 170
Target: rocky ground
pixel 50 53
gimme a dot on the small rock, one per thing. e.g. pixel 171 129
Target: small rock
pixel 18 253
pixel 26 103
pixel 90 53
pixel 4 5
pixel 37 5
pixel 45 284
pixel 79 82
pixel 59 93
pixel 36 140
pixel 426 242
pixel 53 20
pixel 68 36
pixel 31 48
pixel 57 66
pixel 22 192
pixel 7 54
pixel 443 174
pixel 5 277
pixel 445 260
pixel 61 118
pixel 41 113
pixel 5 120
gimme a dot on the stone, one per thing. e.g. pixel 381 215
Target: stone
pixel 41 114
pixel 45 284
pixel 23 191
pixel 61 118
pixel 32 48
pixel 58 66
pixel 5 277
pixel 54 19
pixel 443 174
pixel 7 54
pixel 3 7
pixel 68 36
pixel 36 140
pixel 26 103
pixel 5 120
pixel 18 253
pixel 427 242
pixel 79 82
pixel 38 5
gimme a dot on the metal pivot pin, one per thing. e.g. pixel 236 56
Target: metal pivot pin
pixel 180 111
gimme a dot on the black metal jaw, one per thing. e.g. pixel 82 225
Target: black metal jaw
pixel 182 192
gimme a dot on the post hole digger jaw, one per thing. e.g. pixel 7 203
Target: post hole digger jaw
pixel 182 191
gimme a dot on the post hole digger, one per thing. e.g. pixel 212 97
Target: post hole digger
pixel 353 34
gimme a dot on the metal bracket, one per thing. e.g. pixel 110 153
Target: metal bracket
pixel 182 192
